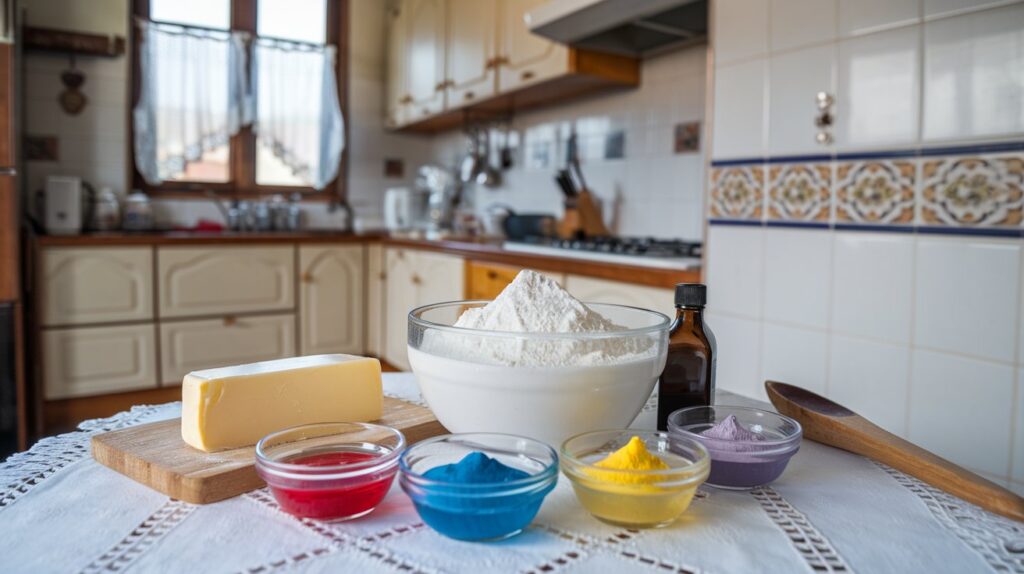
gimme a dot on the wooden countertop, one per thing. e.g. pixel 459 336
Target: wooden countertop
pixel 489 251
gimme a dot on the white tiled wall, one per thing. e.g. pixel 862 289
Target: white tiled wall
pixel 919 334
pixel 91 145
pixel 651 191
pixel 903 72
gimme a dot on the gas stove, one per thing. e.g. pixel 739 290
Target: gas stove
pixel 643 251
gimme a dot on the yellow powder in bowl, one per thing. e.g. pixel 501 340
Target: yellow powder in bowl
pixel 633 456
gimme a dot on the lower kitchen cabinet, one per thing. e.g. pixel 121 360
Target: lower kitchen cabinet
pixel 331 299
pixel 88 361
pixel 187 346
pixel 414 278
pixel 376 286
pixel 603 291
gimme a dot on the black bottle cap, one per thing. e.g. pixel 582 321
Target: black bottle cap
pixel 691 295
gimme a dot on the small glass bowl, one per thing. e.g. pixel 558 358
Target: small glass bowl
pixel 634 498
pixel 740 465
pixel 330 471
pixel 479 511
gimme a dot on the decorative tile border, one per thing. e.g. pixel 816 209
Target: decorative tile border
pixel 800 192
pixel 875 191
pixel 737 192
pixel 965 190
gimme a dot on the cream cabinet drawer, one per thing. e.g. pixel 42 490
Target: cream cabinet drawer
pixel 194 282
pixel 592 290
pixel 98 360
pixel 102 285
pixel 187 346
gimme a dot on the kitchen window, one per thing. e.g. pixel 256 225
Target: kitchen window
pixel 239 96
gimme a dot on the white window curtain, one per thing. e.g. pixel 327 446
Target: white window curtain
pixel 194 96
pixel 298 116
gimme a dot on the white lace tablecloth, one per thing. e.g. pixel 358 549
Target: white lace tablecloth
pixel 830 512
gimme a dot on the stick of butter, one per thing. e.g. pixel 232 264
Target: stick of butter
pixel 232 407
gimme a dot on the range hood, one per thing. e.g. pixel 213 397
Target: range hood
pixel 625 27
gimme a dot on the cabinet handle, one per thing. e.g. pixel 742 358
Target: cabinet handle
pixel 440 86
pixel 526 75
pixel 416 280
pixel 469 95
pixel 230 320
pixel 406 99
pixel 307 277
pixel 492 275
pixel 382 276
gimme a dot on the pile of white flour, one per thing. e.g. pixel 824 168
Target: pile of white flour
pixel 534 303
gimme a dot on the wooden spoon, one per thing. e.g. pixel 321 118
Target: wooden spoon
pixel 835 425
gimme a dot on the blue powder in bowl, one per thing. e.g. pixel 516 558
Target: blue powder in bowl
pixel 478 498
pixel 475 468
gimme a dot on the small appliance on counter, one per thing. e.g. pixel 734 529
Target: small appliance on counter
pixel 67 205
pixel 402 209
pixel 138 212
pixel 106 211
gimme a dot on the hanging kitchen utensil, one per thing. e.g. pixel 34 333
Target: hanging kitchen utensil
pixel 506 151
pixel 489 176
pixel 470 166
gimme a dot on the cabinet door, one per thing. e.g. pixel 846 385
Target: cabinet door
pixel 400 298
pixel 196 281
pixel 439 278
pixel 397 89
pixel 331 300
pixel 98 360
pixel 187 346
pixel 471 48
pixel 528 58
pixel 591 290
pixel 96 285
pixel 424 57
pixel 376 285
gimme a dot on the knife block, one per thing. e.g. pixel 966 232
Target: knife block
pixel 582 217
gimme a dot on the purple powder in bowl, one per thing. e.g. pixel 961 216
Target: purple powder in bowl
pixel 748 447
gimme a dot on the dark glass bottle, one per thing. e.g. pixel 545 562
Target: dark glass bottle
pixel 689 376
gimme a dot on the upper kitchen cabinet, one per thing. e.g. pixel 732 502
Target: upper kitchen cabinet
pixel 471 57
pixel 525 57
pixel 450 56
pixel 425 58
pixel 396 88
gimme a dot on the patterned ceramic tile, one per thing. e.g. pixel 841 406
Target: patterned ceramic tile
pixel 737 192
pixel 973 190
pixel 800 192
pixel 875 191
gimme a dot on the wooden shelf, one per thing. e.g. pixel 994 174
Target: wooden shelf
pixel 76 43
pixel 590 73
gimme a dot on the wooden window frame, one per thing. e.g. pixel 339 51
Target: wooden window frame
pixel 242 147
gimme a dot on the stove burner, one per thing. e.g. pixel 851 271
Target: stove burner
pixel 643 246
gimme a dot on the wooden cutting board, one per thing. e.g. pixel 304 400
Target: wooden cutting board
pixel 155 455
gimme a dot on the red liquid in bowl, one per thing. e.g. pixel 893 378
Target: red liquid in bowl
pixel 338 499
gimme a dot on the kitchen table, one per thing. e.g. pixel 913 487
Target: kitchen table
pixel 830 512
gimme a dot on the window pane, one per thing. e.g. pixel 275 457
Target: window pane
pixel 300 20
pixel 203 13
